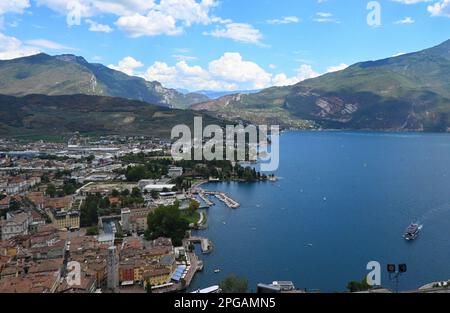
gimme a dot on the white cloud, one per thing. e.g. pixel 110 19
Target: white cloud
pixel 229 72
pixel 96 27
pixel 13 6
pixel 325 17
pixel 127 65
pixel 411 1
pixel 47 44
pixel 440 8
pixel 232 67
pixel 284 20
pixel 304 72
pixel 139 17
pixel 337 68
pixel 240 32
pixel 406 20
pixel 153 24
pixel 11 48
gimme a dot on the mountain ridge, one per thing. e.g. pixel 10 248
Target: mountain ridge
pixel 50 116
pixel 407 92
pixel 69 74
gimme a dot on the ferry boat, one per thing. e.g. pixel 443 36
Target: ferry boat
pixel 412 232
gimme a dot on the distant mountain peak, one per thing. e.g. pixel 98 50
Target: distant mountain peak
pixel 69 74
pixel 408 92
pixel 71 58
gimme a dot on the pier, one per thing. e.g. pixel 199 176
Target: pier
pixel 205 199
pixel 224 198
pixel 205 243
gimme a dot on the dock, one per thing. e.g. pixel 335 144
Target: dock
pixel 205 243
pixel 205 199
pixel 224 198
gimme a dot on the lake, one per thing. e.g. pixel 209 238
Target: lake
pixel 342 200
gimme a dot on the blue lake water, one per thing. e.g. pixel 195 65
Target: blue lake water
pixel 375 185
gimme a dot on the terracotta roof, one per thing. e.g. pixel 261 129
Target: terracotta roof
pixel 58 203
pixel 37 198
pixel 31 283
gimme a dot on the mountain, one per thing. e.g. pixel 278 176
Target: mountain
pixel 69 74
pixel 212 94
pixel 41 116
pixel 407 92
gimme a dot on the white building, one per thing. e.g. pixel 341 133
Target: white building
pixel 159 187
pixel 15 225
pixel 175 172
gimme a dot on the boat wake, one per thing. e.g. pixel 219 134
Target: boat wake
pixel 433 213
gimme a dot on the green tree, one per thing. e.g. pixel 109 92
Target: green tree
pixel 136 173
pixel 148 286
pixel 45 179
pixel 355 286
pixel 115 193
pixel 104 203
pixel 92 231
pixel 51 190
pixel 234 284
pixel 69 188
pixel 89 211
pixel 154 194
pixel 193 207
pixel 167 221
pixel 136 192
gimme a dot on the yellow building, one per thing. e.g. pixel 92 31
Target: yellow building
pixel 157 277
pixel 65 220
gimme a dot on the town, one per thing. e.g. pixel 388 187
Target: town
pixel 87 215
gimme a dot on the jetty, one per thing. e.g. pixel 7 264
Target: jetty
pixel 205 199
pixel 225 199
pixel 205 243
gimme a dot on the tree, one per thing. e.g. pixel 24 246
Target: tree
pixel 51 190
pixel 193 207
pixel 234 284
pixel 69 188
pixel 90 158
pixel 154 194
pixel 148 286
pixel 125 193
pixel 115 193
pixel 167 221
pixel 104 203
pixel 136 192
pixel 355 286
pixel 45 179
pixel 92 231
pixel 89 211
pixel 136 173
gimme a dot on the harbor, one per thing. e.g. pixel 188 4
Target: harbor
pixel 223 197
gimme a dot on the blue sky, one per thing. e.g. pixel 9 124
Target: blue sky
pixel 222 44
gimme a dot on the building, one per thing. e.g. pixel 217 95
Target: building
pixel 63 219
pixel 38 198
pixel 135 220
pixel 15 225
pixel 112 268
pixel 145 262
pixel 158 187
pixel 31 283
pixel 175 172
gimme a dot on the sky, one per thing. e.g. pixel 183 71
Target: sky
pixel 223 44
